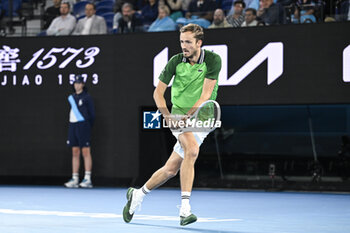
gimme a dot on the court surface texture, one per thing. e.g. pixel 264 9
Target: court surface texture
pixel 46 209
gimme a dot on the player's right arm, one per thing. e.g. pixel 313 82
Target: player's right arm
pixel 164 80
pixel 158 96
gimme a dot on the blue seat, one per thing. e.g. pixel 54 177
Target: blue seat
pixel 98 1
pixel 42 33
pixel 226 5
pixel 109 21
pixel 108 4
pixel 15 8
pixel 200 21
pixel 103 10
pixel 218 3
pixel 79 8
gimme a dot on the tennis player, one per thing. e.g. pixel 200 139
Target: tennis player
pixel 196 74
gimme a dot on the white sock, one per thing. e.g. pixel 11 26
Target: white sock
pixel 185 198
pixel 87 175
pixel 143 191
pixel 75 177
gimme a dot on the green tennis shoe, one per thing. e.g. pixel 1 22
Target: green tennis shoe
pixel 126 211
pixel 188 220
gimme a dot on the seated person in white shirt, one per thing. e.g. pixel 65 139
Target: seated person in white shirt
pixel 64 24
pixel 92 24
pixel 250 18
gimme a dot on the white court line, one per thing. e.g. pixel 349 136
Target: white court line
pixel 106 215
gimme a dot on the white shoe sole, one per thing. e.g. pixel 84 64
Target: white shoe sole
pixel 72 187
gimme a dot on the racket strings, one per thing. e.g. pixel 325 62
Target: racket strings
pixel 204 119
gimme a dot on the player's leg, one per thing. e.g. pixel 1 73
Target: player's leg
pixel 190 147
pixel 135 196
pixel 84 137
pixel 87 158
pixel 191 151
pixel 86 183
pixel 73 143
pixel 75 159
pixel 169 170
pixel 74 181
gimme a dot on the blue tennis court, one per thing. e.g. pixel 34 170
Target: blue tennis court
pixel 41 209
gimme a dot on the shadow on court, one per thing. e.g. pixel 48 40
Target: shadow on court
pixel 187 229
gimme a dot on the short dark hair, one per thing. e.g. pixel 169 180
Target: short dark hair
pixel 92 4
pixel 67 3
pixel 127 4
pixel 252 10
pixel 239 2
pixel 194 28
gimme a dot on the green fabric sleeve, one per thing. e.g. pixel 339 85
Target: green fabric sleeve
pixel 170 69
pixel 213 65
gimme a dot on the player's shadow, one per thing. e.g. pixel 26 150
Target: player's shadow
pixel 188 229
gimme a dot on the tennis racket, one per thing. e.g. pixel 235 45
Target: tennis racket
pixel 205 119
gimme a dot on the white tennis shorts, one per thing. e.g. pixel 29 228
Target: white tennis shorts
pixel 200 136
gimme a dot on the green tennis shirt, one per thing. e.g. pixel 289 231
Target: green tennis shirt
pixel 188 81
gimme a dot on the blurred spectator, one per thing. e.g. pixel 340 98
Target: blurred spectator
pixel 285 2
pixel 248 3
pixel 163 22
pixel 63 24
pixel 329 19
pixel 343 13
pixel 140 4
pixel 118 10
pixel 261 23
pixel 329 7
pixel 200 12
pixel 119 3
pixel 201 9
pixel 51 13
pixel 250 18
pixel 149 12
pixel 130 21
pixel 304 12
pixel 91 24
pixel 270 13
pixel 175 7
pixel 253 4
pixel 185 5
pixel 237 18
pixel 219 20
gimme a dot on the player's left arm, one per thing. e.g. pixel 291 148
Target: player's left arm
pixel 208 87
